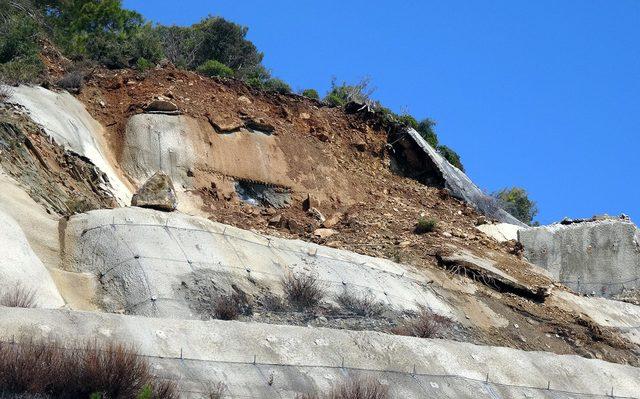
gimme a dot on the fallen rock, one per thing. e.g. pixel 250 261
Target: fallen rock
pixel 324 233
pixel 332 220
pixel 276 221
pixel 485 270
pixel 294 227
pixel 316 214
pixel 156 193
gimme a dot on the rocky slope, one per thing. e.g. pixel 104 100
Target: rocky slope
pixel 268 185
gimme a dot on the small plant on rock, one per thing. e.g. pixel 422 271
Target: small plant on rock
pixel 302 290
pixel 311 93
pixel 361 304
pixel 229 306
pixel 425 225
pixel 19 297
pixel 426 324
pixel 214 390
pixel 353 388
pixel 72 81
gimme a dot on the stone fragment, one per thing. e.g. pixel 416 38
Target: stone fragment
pixel 332 220
pixel 324 233
pixel 156 193
pixel 162 106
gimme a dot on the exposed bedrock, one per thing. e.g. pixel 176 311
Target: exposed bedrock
pixel 187 149
pixel 600 257
pixel 22 274
pixel 67 122
pixel 147 260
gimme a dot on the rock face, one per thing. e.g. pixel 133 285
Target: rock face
pixel 501 232
pixel 134 248
pixel 599 256
pixel 67 121
pixel 20 267
pixel 157 193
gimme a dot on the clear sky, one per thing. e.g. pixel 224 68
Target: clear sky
pixel 541 94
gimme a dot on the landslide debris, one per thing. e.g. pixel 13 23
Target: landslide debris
pixel 342 161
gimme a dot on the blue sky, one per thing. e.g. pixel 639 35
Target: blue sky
pixel 541 94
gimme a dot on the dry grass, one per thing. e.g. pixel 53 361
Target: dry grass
pixel 303 291
pixel 426 324
pixel 19 297
pixel 231 306
pixel 45 368
pixel 353 388
pixel 214 390
pixel 226 307
pixel 361 304
pixel 72 81
pixel 272 303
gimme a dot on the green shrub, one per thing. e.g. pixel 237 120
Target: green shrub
pixel 311 93
pixel 277 85
pixel 215 68
pixel 19 59
pixel 425 225
pixel 98 30
pixel 408 121
pixel 516 201
pixel 427 131
pixel 256 76
pixel 451 156
pixel 142 64
pixel 340 95
pixel 24 70
pixel 225 41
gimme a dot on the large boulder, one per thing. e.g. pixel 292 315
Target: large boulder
pixel 157 193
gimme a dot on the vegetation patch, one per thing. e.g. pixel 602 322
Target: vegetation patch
pixel 353 388
pixel 425 324
pixel 364 305
pixel 425 225
pixel 303 291
pixel 515 200
pixel 19 297
pixel 39 368
pixel 231 306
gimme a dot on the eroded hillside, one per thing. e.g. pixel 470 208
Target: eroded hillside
pixel 266 168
